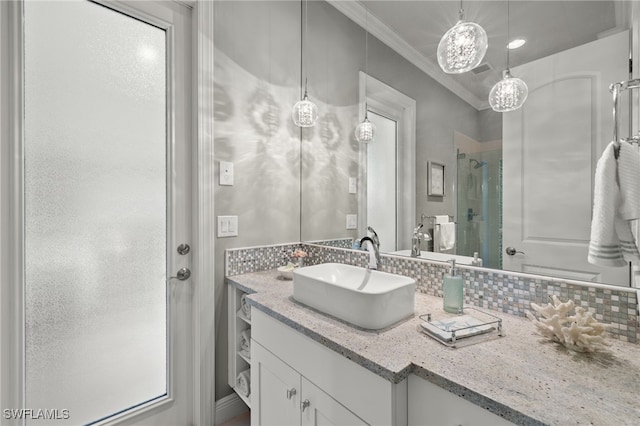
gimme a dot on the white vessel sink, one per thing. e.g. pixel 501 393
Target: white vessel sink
pixel 369 299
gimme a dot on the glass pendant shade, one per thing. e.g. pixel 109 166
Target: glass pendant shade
pixel 462 48
pixel 508 94
pixel 366 131
pixel 304 113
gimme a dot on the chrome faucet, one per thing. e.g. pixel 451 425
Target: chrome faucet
pixel 373 247
pixel 415 241
pixel 374 237
pixel 374 251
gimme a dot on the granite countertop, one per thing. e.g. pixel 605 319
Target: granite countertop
pixel 520 376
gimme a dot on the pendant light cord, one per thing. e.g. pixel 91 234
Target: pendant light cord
pixel 301 46
pixel 461 12
pixel 366 61
pixel 306 67
pixel 508 36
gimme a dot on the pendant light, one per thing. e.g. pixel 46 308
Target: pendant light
pixel 304 112
pixel 365 131
pixel 509 93
pixel 463 47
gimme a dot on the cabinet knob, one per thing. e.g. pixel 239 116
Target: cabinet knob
pixel 291 393
pixel 304 404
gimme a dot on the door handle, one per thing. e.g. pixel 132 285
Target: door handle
pixel 511 251
pixel 304 404
pixel 183 274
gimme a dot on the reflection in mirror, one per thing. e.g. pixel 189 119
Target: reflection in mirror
pixel 521 180
pixel 381 180
pixel 386 165
pixel 478 199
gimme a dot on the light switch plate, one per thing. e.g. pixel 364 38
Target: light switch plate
pixel 226 173
pixel 227 226
pixel 352 221
pixel 353 185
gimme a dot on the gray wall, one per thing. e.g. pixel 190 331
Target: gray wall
pixel 489 125
pixel 335 54
pixel 256 83
pixel 257 79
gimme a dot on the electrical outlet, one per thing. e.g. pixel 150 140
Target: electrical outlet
pixel 353 185
pixel 352 221
pixel 226 173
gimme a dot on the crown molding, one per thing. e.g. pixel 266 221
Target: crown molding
pixel 353 10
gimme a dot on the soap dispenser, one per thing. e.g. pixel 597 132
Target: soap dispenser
pixel 452 290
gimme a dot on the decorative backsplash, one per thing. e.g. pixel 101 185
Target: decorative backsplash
pixel 340 242
pixel 496 290
pixel 254 259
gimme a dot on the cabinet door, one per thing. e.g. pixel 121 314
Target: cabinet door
pixel 319 409
pixel 275 394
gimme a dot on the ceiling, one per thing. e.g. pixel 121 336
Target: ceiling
pixel 414 28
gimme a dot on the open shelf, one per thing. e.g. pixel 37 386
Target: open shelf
pixel 246 358
pixel 244 398
pixel 243 317
pixel 239 330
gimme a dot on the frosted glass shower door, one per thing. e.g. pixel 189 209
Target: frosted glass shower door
pixel 106 189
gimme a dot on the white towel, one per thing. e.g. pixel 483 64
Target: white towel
pixel 442 218
pixel 611 242
pixel 635 230
pixel 243 382
pixel 246 309
pixel 629 179
pixel 245 340
pixel 447 238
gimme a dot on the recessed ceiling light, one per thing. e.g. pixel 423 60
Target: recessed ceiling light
pixel 515 43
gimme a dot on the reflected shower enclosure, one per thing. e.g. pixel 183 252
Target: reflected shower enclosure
pixel 479 205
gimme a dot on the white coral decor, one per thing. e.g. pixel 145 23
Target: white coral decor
pixel 579 332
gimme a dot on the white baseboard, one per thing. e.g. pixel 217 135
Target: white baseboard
pixel 229 407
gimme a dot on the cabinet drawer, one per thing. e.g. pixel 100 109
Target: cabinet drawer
pixel 431 405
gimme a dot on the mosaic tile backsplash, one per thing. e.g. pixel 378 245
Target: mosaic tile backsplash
pixel 496 290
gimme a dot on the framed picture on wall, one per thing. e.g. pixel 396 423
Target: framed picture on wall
pixel 435 172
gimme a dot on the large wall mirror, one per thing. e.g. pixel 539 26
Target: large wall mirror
pixel 517 185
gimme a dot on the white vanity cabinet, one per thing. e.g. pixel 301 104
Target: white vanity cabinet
pixel 432 405
pixel 295 380
pixel 286 398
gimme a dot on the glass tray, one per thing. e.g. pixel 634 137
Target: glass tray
pixel 453 330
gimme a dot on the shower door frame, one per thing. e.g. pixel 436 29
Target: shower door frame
pixel 12 315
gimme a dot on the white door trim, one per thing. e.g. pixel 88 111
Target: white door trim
pixel 11 190
pixel 376 92
pixel 203 221
pixel 11 203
